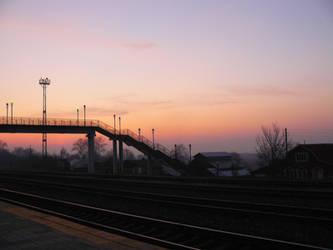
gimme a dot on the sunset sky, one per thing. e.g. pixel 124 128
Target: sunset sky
pixel 209 73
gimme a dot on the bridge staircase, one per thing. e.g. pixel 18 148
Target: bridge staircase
pixel 142 144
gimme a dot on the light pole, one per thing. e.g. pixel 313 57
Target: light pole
pixel 84 114
pixel 44 82
pixel 190 148
pixel 153 134
pixel 176 151
pixel 119 125
pixel 115 168
pixel 11 111
pixel 7 111
pixel 77 115
pixel 139 134
pixel 121 150
pixel 114 124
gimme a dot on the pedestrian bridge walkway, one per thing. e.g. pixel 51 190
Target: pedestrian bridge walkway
pixel 90 127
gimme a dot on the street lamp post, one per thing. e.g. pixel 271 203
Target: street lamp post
pixel 114 124
pixel 115 168
pixel 7 111
pixel 44 82
pixel 121 151
pixel 153 134
pixel 119 125
pixel 77 115
pixel 176 151
pixel 139 130
pixel 84 114
pixel 11 111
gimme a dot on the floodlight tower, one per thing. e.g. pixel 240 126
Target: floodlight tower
pixel 44 82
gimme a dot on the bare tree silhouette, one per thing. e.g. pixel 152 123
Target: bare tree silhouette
pixel 80 147
pixel 271 145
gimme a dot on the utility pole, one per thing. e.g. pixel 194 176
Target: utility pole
pixel 176 151
pixel 44 83
pixel 153 134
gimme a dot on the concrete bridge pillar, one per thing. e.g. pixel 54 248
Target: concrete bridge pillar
pixel 91 152
pixel 114 167
pixel 149 166
pixel 121 156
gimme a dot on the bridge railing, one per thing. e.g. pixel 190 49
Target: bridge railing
pixel 146 141
pixel 53 122
pixel 82 123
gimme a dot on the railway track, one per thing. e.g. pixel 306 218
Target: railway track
pixel 316 215
pixel 240 181
pixel 164 233
pixel 169 185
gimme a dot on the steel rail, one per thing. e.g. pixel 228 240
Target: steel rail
pixel 300 193
pixel 242 181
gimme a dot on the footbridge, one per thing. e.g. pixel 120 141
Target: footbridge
pixel 90 127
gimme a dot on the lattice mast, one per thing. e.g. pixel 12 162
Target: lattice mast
pixel 44 82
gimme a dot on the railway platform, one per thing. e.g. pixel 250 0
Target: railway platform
pixel 22 228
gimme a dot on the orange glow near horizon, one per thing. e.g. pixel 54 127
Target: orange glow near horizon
pixel 35 139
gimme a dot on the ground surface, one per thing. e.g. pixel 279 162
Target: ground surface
pixel 22 228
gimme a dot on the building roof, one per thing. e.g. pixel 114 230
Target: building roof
pixel 323 152
pixel 214 154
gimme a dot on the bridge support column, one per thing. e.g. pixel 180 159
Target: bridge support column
pixel 121 157
pixel 91 152
pixel 114 167
pixel 149 166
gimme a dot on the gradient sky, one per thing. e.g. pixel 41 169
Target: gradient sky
pixel 209 73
